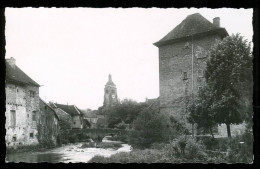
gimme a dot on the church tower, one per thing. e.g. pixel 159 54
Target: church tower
pixel 110 96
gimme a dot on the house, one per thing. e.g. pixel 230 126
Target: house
pixel 22 106
pixel 48 124
pixel 29 120
pixel 71 112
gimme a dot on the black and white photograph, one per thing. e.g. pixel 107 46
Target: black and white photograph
pixel 129 85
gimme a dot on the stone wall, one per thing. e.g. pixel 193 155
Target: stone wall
pixel 47 125
pixel 174 60
pixel 235 129
pixel 18 99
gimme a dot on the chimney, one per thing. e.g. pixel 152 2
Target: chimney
pixel 11 61
pixel 216 21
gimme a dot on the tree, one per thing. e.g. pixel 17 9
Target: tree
pixel 228 72
pixel 201 112
pixel 126 112
pixel 151 126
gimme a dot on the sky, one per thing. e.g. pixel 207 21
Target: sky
pixel 71 51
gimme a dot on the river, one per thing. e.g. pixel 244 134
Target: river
pixel 69 153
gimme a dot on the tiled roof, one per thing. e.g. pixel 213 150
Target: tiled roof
pixel 191 25
pixel 70 109
pixel 15 74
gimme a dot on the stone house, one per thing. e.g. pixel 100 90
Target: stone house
pixel 48 124
pixel 183 53
pixel 23 108
pixel 70 112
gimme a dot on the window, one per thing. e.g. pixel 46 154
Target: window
pixel 17 90
pixel 13 118
pixel 185 75
pixel 14 138
pixel 74 123
pixel 28 115
pixel 200 73
pixel 32 94
pixel 34 116
pixel 31 135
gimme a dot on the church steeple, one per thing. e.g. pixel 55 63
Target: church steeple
pixel 110 95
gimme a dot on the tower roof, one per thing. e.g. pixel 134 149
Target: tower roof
pixel 192 25
pixel 110 82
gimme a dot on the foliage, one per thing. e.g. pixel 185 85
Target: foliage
pixel 228 73
pixel 200 111
pixel 123 114
pixel 187 148
pixel 151 127
pixel 241 148
pixel 122 125
pixel 136 156
pixel 165 154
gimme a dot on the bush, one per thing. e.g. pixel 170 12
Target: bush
pixel 186 148
pixel 158 146
pixel 241 149
pixel 151 127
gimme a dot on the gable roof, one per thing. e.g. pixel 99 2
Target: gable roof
pixel 15 74
pixel 70 109
pixel 50 108
pixel 192 25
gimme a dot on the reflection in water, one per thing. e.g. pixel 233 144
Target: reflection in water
pixel 34 157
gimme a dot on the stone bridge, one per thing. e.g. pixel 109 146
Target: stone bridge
pixel 96 134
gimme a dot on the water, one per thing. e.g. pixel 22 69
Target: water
pixel 69 153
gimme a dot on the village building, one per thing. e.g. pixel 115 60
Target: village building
pixel 70 113
pixel 23 113
pixel 48 124
pixel 183 53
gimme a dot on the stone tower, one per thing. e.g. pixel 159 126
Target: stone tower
pixel 110 93
pixel 183 53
